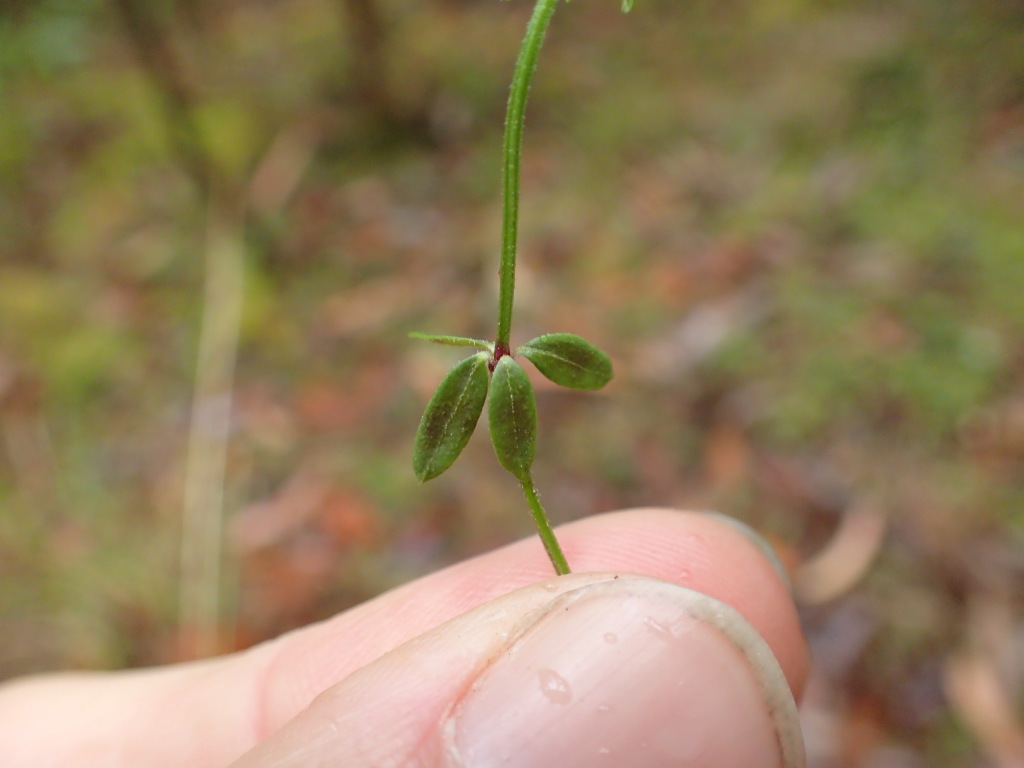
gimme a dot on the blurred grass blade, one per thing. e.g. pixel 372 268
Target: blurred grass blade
pixel 627 6
pixel 512 412
pixel 453 341
pixel 201 546
pixel 450 417
pixel 568 360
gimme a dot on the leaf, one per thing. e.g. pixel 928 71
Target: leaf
pixel 512 412
pixel 453 341
pixel 450 417
pixel 627 6
pixel 568 360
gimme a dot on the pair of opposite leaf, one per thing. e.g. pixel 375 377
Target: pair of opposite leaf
pixel 453 411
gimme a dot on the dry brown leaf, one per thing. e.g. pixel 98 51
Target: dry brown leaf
pixel 978 697
pixel 845 559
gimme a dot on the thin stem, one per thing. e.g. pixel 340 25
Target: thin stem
pixel 547 535
pixel 525 66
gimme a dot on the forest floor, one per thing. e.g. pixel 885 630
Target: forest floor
pixel 798 229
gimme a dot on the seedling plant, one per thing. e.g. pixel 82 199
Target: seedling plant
pixel 493 375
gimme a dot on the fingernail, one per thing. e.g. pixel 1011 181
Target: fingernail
pixel 630 672
pixel 758 541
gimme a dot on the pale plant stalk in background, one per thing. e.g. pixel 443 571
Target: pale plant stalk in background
pixel 203 511
pixel 209 433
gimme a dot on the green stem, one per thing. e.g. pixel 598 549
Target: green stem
pixel 547 535
pixel 512 151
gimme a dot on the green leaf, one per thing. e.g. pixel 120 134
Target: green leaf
pixel 568 360
pixel 627 6
pixel 450 417
pixel 512 412
pixel 453 341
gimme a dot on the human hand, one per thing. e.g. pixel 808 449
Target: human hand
pixel 489 662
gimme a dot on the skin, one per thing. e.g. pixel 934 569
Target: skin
pixel 213 712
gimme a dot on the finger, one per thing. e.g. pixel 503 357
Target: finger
pixel 693 550
pixel 588 669
pixel 222 708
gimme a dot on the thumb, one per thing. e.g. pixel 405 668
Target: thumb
pixel 589 669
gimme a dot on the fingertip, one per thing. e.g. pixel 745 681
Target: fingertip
pixel 630 667
pixel 581 669
pixel 691 549
pixel 707 552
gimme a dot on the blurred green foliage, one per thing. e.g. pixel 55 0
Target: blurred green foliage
pixel 797 225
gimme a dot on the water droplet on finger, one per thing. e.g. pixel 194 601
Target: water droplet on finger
pixel 554 687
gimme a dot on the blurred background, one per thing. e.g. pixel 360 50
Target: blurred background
pixel 796 225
